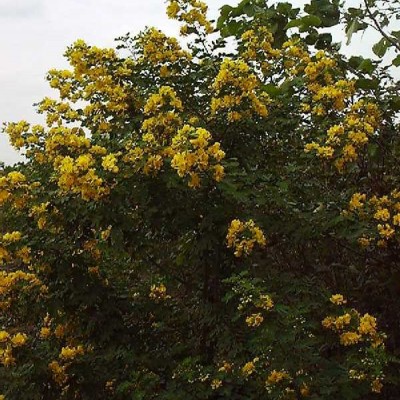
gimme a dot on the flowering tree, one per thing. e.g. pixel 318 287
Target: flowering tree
pixel 208 222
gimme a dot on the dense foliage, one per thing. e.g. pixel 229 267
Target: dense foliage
pixel 220 221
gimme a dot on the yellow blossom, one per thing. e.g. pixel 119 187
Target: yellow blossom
pixel 376 386
pixel 338 299
pixel 349 338
pixel 19 339
pixel 254 320
pixel 71 352
pixel 367 325
pixel 4 335
pixel 276 377
pixel 215 384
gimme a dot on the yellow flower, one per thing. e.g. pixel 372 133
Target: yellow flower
pixel 364 242
pixel 58 371
pixel 385 231
pixel 338 299
pixel 382 214
pixel 242 236
pixel 349 338
pixel 11 237
pixel 194 180
pixel 265 302
pixel 304 390
pixel 4 336
pixel 367 325
pixel 109 163
pixel 215 384
pixel 226 367
pixel 158 292
pixel 376 386
pixel 45 332
pixel 276 377
pixel 69 353
pixel 356 201
pixel 341 321
pixel 59 331
pixel 254 320
pixel 218 173
pixel 248 368
pixel 16 177
pixel 19 339
pixel 328 322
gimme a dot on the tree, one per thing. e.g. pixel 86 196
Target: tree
pixel 206 223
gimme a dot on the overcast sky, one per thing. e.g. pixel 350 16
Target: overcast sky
pixel 35 33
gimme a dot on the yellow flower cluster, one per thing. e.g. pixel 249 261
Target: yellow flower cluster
pixel 242 236
pixel 162 120
pixel 193 13
pixel 193 155
pixel 364 328
pixel 254 320
pixel 17 133
pixel 162 51
pixel 158 129
pixel 383 213
pixel 237 92
pixel 62 139
pixel 349 137
pixel 215 384
pixel 250 367
pixel 9 251
pixel 338 299
pixel 7 343
pixel 158 292
pixel 265 302
pixel 355 329
pixel 11 237
pixel 71 352
pixel 276 377
pixel 77 176
pixel 9 280
pixel 357 201
pixel 14 180
pixel 295 57
pixel 58 372
pixel 99 79
pixel 257 47
pixel 325 92
pixel 109 163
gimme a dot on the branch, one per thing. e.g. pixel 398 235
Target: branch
pixel 379 29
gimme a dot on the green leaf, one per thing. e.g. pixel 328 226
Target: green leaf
pixel 271 89
pixel 284 8
pixel 366 84
pixel 324 40
pixel 352 28
pixel 395 103
pixel 224 14
pixel 304 22
pixel 396 61
pixel 367 66
pixel 249 10
pixel 381 47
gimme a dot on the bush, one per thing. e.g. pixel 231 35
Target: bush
pixel 215 222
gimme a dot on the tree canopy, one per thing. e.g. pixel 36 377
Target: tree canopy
pixel 216 220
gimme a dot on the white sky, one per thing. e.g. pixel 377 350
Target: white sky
pixel 35 33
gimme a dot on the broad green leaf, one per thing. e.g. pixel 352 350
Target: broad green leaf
pixel 396 61
pixel 352 28
pixel 381 47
